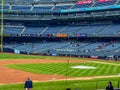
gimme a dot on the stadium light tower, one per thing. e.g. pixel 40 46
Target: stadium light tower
pixel 2 25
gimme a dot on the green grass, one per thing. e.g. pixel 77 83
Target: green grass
pixel 61 85
pixel 17 56
pixel 62 68
pixel 20 56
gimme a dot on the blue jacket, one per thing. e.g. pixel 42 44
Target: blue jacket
pixel 109 88
pixel 28 84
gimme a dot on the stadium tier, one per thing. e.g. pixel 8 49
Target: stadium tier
pixel 107 29
pixel 53 7
pixel 36 1
pixel 68 48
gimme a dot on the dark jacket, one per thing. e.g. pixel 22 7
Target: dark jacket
pixel 109 87
pixel 28 84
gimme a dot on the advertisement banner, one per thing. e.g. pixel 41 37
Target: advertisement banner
pixel 104 0
pixel 84 2
pixel 91 9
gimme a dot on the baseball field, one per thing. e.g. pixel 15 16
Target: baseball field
pixel 57 73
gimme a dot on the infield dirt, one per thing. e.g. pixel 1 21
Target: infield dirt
pixel 9 76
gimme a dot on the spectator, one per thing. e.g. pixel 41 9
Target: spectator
pixel 28 84
pixel 109 86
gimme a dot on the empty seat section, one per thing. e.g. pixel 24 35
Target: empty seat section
pixel 42 8
pixel 92 29
pixel 112 47
pixel 5 7
pixel 111 30
pixel 71 29
pixel 21 8
pixel 82 6
pixel 107 3
pixel 53 29
pixel 33 30
pixel 62 7
pixel 13 30
pixel 18 1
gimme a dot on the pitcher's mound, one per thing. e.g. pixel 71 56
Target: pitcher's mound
pixel 83 67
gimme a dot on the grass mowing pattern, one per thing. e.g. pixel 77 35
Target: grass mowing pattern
pixel 61 85
pixel 60 69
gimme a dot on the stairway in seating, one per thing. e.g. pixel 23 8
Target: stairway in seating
pixel 44 30
pixel 63 29
pixel 23 30
pixel 104 29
